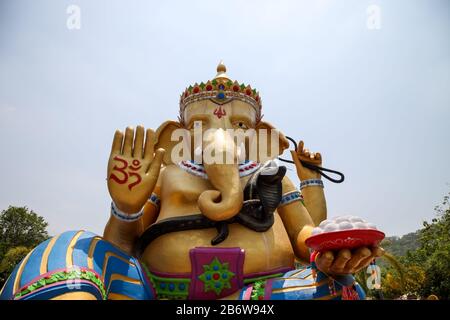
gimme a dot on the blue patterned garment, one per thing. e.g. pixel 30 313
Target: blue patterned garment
pixel 300 284
pixel 77 261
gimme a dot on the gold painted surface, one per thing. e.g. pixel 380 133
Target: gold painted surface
pixel 314 198
pixel 181 194
pixel 117 296
pixel 90 263
pixel 69 257
pixel 130 195
pixel 264 251
pixel 44 261
pixel 75 296
pixel 296 220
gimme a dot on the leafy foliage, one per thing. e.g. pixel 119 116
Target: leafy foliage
pixel 12 258
pixel 21 230
pixel 419 262
pixel 434 252
pixel 399 246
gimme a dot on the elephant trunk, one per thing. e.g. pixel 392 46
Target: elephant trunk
pixel 226 201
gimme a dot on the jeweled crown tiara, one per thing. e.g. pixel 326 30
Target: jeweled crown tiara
pixel 221 90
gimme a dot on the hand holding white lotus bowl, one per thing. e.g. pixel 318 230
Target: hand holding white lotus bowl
pixel 344 245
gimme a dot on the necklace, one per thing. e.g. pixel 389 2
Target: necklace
pixel 245 168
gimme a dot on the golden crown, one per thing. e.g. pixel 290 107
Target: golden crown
pixel 221 90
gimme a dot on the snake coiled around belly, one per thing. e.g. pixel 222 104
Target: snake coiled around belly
pixel 262 195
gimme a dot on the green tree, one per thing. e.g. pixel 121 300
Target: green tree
pixel 12 258
pixel 426 269
pixel 21 230
pixel 408 279
pixel 399 246
pixel 434 252
pixel 393 277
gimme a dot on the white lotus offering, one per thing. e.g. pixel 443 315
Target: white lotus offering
pixel 344 232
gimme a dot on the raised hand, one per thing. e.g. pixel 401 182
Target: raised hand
pixel 306 156
pixel 133 168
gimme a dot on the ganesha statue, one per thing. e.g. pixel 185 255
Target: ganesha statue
pixel 201 209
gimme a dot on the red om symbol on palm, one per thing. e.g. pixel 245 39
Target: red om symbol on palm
pixel 126 174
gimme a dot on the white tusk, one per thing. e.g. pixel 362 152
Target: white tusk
pixel 198 151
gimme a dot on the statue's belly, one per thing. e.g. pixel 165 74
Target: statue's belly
pixel 264 251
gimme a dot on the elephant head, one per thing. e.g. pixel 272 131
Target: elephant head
pixel 218 121
pixel 218 149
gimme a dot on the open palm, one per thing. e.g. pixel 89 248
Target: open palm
pixel 133 168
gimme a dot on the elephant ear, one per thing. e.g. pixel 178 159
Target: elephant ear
pixel 265 128
pixel 168 139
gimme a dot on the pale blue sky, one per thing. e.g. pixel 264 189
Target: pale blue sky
pixel 376 103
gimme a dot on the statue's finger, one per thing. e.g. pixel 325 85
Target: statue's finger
pixel 296 160
pixel 149 144
pixel 128 143
pixel 117 142
pixel 341 260
pixel 138 142
pixel 318 156
pixel 300 147
pixel 359 255
pixel 375 253
pixel 324 260
pixel 155 166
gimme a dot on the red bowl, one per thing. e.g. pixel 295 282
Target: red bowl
pixel 345 239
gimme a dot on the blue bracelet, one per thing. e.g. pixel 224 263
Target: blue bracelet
pixel 310 183
pixel 290 197
pixel 124 216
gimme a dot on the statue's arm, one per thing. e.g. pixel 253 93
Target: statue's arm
pixel 313 193
pixel 124 234
pixel 296 219
pixel 151 208
pixel 134 170
pixel 314 199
